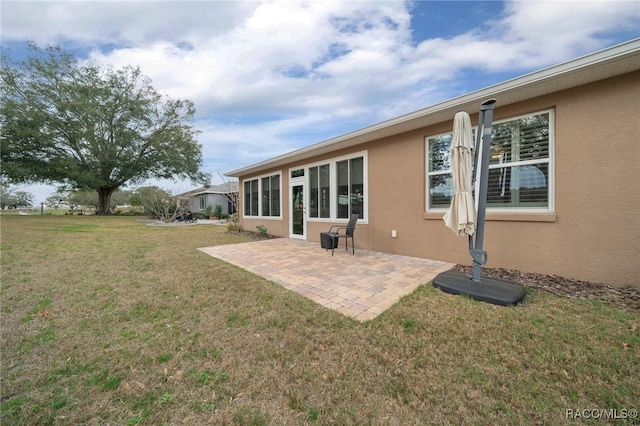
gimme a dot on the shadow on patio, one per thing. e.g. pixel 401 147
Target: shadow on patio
pixel 361 286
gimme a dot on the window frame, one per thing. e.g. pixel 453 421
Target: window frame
pixel 550 161
pixel 333 189
pixel 261 193
pixel 323 172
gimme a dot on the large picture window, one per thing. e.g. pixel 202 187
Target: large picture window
pixel 262 196
pixel 519 169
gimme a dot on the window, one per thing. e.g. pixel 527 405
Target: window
pixel 519 169
pixel 262 196
pixel 336 188
pixel 350 184
pixel 320 191
pixel 439 176
pixel 266 197
pixel 251 197
pixel 203 202
pixel 271 196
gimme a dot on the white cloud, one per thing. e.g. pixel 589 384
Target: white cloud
pixel 119 22
pixel 542 33
pixel 281 57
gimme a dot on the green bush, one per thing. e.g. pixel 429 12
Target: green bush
pixel 262 230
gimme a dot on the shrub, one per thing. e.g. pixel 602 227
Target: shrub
pixel 262 230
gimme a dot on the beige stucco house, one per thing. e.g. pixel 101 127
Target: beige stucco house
pixel 564 190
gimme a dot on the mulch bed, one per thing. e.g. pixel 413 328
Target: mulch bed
pixel 257 236
pixel 627 298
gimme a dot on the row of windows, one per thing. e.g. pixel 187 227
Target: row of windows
pixel 336 189
pixel 520 175
pixel 266 189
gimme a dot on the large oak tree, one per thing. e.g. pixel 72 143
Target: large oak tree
pixel 91 127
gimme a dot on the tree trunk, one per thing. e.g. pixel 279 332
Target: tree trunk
pixel 104 200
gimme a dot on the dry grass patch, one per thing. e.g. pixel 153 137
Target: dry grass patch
pixel 109 321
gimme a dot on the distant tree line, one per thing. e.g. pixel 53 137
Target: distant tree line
pixel 13 199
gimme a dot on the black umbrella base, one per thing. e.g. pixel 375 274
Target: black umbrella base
pixel 490 290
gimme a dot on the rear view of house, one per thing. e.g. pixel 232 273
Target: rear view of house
pixel 564 180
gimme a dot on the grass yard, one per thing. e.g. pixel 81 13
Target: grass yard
pixel 109 321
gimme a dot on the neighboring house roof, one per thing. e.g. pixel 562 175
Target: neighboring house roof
pixel 223 188
pixel 617 60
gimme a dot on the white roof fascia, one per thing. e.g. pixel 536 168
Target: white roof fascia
pixel 600 65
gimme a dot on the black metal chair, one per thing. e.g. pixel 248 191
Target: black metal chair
pixel 334 232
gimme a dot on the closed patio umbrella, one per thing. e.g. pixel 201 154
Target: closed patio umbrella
pixel 461 217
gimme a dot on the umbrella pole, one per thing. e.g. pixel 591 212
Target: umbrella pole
pixel 485 118
pixel 474 175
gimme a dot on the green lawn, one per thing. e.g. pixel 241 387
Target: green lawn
pixel 109 321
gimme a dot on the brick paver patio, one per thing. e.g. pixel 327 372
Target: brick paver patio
pixel 361 286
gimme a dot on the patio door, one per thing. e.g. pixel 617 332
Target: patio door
pixel 297 210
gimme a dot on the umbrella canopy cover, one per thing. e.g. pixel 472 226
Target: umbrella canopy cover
pixel 461 216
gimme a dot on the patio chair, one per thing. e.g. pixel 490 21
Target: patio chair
pixel 334 232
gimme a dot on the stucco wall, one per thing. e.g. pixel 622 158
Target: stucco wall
pixel 594 232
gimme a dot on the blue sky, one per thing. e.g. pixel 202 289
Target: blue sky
pixel 269 77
